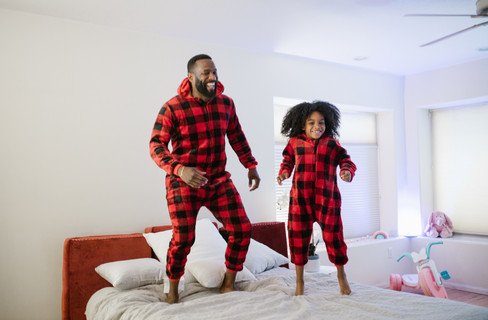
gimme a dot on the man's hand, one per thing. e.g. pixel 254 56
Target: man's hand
pixel 253 175
pixel 192 176
pixel 285 175
pixel 346 175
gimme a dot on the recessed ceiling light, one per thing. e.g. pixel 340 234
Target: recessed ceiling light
pixel 361 58
pixel 482 49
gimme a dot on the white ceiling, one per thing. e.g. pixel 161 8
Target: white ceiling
pixel 335 31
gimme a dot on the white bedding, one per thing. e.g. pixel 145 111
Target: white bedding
pixel 272 297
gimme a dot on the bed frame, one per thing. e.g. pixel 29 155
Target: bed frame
pixel 83 254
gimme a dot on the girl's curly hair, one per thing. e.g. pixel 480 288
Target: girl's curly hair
pixel 295 118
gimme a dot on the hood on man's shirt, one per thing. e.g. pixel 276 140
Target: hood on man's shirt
pixel 184 89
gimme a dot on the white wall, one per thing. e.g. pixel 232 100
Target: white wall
pixel 391 169
pixel 77 105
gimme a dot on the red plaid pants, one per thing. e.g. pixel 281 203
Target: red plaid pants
pixel 223 200
pixel 300 226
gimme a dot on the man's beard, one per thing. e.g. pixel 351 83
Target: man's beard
pixel 202 88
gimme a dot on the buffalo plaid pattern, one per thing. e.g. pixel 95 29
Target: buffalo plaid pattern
pixel 223 200
pixel 315 196
pixel 197 133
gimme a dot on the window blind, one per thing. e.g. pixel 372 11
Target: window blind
pixel 360 198
pixel 459 156
pixel 282 191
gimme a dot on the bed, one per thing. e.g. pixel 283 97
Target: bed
pixel 268 295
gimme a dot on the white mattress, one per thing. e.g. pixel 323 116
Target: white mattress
pixel 272 297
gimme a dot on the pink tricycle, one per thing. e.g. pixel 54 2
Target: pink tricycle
pixel 427 279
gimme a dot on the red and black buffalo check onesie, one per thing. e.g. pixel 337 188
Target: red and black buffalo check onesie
pixel 315 196
pixel 197 132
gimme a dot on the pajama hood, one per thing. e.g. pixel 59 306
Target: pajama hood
pixel 184 89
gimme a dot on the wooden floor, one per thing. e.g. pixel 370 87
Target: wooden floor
pixel 459 295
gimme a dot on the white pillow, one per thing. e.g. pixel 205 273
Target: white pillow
pixel 159 242
pixel 128 274
pixel 260 258
pixel 210 273
pixel 208 245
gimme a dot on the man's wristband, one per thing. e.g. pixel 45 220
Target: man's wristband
pixel 180 171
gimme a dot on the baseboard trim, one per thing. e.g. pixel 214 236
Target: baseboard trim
pixel 463 287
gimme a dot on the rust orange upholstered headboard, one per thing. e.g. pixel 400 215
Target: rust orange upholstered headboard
pixel 80 258
pixel 83 254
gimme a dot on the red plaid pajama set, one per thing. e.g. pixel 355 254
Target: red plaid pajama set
pixel 197 132
pixel 315 196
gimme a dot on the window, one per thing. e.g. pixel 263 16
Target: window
pixel 360 199
pixel 459 156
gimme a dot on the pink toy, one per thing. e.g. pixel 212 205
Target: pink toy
pixel 427 279
pixel 438 224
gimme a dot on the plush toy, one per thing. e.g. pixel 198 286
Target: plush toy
pixel 438 224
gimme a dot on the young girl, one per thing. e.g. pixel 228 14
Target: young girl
pixel 315 154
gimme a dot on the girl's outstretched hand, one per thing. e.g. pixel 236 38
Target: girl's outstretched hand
pixel 346 175
pixel 281 177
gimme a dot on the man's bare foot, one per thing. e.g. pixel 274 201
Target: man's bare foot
pixel 343 283
pixel 300 290
pixel 229 282
pixel 171 298
pixel 225 289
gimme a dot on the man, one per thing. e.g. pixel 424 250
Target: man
pixel 197 121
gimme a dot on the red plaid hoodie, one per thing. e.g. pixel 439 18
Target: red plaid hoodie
pixel 197 132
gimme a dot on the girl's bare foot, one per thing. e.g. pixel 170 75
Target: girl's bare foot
pixel 345 289
pixel 343 283
pixel 229 282
pixel 300 289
